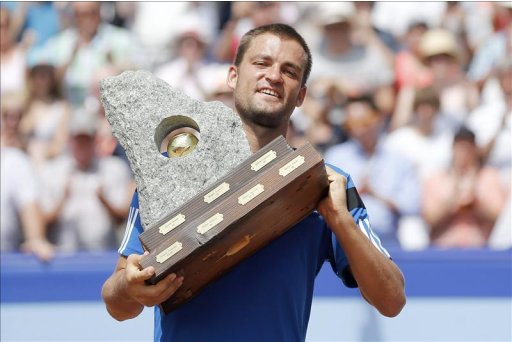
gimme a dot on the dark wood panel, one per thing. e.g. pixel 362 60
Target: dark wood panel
pixel 244 229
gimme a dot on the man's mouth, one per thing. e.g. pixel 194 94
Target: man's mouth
pixel 269 92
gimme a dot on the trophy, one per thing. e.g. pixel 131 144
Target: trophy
pixel 209 204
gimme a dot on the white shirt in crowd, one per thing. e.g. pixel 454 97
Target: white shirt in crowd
pixel 19 188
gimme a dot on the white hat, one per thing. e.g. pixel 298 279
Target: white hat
pixel 335 12
pixel 83 122
pixel 437 42
pixel 191 25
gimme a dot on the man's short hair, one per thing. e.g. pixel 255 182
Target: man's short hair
pixel 282 31
pixel 367 99
pixel 427 96
pixel 465 134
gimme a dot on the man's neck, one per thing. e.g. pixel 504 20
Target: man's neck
pixel 259 136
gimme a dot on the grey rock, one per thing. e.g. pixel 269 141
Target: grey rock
pixel 136 102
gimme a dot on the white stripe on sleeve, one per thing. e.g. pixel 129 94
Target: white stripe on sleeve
pixel 365 227
pixel 129 228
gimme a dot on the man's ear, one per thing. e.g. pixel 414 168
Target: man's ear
pixel 232 77
pixel 301 96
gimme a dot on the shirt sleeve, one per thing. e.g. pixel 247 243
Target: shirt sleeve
pixel 131 243
pixel 338 259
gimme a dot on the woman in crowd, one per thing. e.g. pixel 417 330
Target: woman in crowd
pixel 47 115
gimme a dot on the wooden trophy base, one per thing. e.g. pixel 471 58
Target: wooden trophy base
pixel 241 223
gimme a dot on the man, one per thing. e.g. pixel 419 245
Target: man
pixel 268 296
pixel 350 66
pixel 22 226
pixel 462 202
pixel 387 180
pixel 188 71
pixel 86 196
pixel 90 44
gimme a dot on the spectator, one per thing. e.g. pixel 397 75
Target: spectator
pixel 354 69
pixel 40 20
pixel 492 124
pixel 90 44
pixel 246 15
pixel 478 17
pixel 156 23
pixel 22 226
pixel 105 143
pixel 21 223
pixel 187 71
pixel 461 203
pixel 12 56
pixel 13 109
pixel 367 32
pixel 426 139
pixel 85 195
pixel 318 119
pixel 47 115
pixel 409 69
pixel 440 53
pixel 387 181
pixel 454 21
pixel 492 50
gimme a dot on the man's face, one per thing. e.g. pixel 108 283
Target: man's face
pixel 87 17
pixel 82 148
pixel 267 84
pixel 362 123
pixel 335 32
pixel 465 154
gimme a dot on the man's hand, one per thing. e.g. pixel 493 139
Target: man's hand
pixel 125 293
pixel 335 203
pixel 147 295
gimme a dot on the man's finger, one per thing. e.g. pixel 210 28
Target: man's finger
pixel 172 288
pixel 133 268
pixel 165 283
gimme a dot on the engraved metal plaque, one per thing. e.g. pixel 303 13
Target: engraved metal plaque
pixel 171 224
pixel 210 223
pixel 169 252
pixel 216 193
pixel 250 194
pixel 264 160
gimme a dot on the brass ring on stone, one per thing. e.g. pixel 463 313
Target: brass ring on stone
pixel 181 144
pixel 178 135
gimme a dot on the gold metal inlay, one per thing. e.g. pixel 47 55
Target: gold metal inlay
pixel 216 193
pixel 263 160
pixel 251 194
pixel 210 223
pixel 171 224
pixel 292 165
pixel 169 252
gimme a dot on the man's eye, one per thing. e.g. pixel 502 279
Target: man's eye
pixel 260 63
pixel 290 73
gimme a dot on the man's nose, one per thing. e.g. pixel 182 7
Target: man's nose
pixel 273 74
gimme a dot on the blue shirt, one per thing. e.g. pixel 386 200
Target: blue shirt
pixel 268 296
pixel 390 175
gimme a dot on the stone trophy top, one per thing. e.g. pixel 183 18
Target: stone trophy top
pixel 147 115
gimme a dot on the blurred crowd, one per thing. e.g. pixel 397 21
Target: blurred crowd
pixel 413 100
